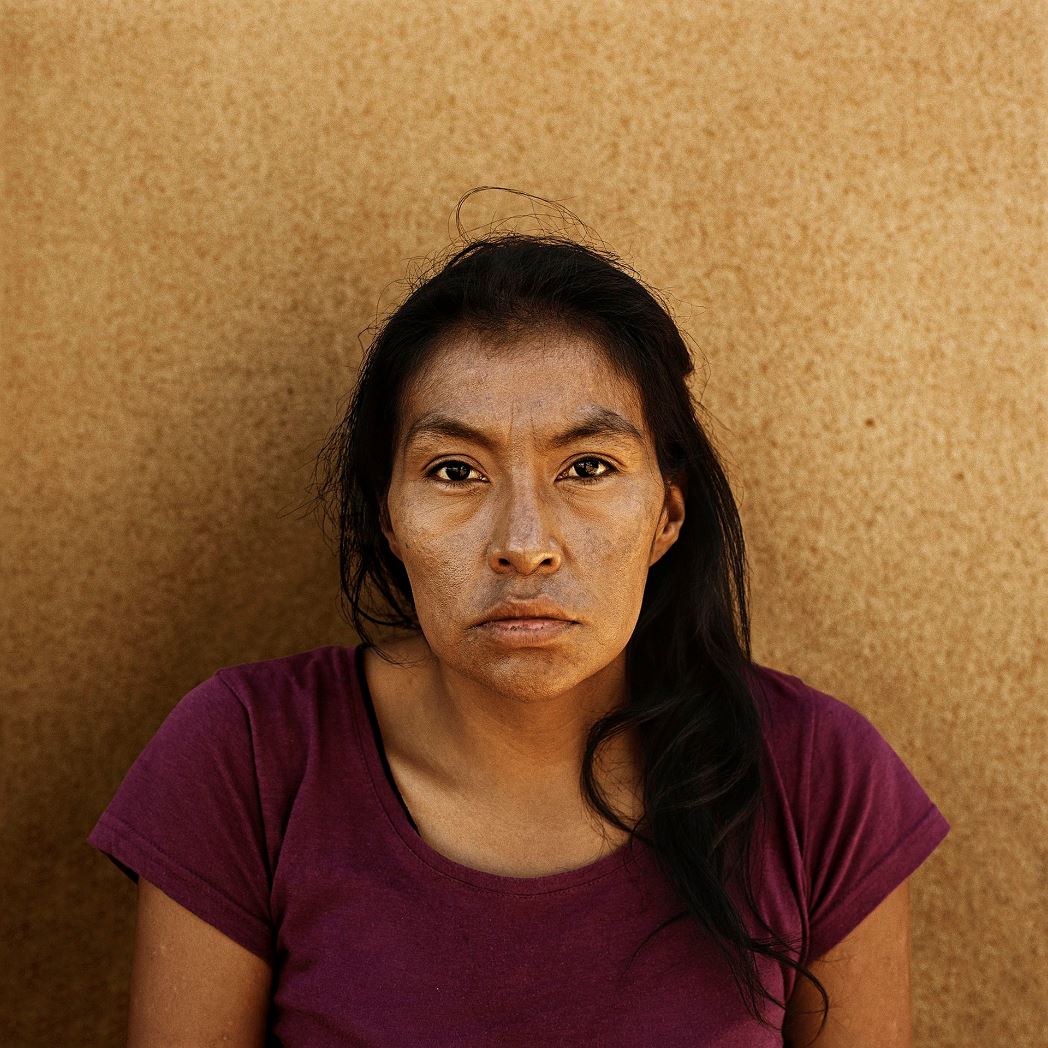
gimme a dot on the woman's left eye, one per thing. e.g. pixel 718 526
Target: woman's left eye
pixel 590 458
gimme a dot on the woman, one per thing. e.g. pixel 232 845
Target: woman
pixel 565 807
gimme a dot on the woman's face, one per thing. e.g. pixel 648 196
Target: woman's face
pixel 475 525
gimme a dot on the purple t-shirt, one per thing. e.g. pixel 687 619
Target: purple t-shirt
pixel 264 804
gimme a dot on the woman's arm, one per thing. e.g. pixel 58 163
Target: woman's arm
pixel 190 983
pixel 867 976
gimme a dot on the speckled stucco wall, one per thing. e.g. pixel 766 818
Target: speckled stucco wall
pixel 205 203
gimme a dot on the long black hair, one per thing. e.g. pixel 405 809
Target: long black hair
pixel 689 667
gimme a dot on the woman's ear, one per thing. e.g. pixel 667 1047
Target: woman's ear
pixel 387 526
pixel 671 519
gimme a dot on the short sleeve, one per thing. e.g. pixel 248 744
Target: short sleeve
pixel 188 818
pixel 868 825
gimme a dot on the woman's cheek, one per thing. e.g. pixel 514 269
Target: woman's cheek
pixel 442 562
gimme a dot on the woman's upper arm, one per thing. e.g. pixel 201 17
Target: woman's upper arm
pixel 190 983
pixel 867 978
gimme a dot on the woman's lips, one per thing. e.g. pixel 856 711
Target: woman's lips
pixel 519 632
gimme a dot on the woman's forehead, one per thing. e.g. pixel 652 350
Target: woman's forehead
pixel 535 374
pixel 520 351
pixel 550 430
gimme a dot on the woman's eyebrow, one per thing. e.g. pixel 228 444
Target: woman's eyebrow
pixel 595 422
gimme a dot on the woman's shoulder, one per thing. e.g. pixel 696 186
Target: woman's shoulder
pixel 804 726
pixel 299 678
pixel 861 819
pixel 791 705
pixel 787 703
pixel 292 701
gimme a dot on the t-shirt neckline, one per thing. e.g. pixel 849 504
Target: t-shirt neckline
pixel 392 805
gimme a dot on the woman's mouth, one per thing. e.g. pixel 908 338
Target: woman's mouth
pixel 523 632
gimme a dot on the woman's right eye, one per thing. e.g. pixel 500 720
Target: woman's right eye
pixel 452 465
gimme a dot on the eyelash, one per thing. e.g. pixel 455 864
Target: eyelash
pixel 462 483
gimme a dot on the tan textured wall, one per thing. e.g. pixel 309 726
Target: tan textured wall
pixel 205 203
